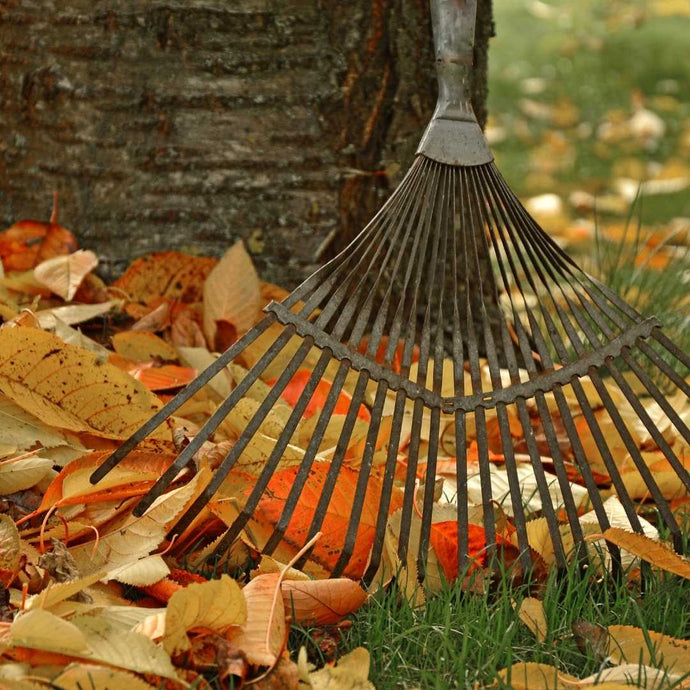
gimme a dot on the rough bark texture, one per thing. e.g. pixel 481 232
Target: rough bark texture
pixel 188 124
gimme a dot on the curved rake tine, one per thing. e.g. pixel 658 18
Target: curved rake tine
pixel 182 397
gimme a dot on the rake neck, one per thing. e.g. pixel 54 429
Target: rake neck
pixel 454 136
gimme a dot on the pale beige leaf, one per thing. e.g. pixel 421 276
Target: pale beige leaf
pixel 59 591
pixel 153 626
pixel 10 544
pixel 263 636
pixel 350 673
pixel 533 676
pixel 649 550
pixel 73 336
pixel 81 676
pixel 199 358
pixel 629 644
pixel 232 293
pixel 137 537
pixel 23 431
pixel 64 274
pixel 68 387
pixel 142 573
pixel 215 605
pixel 129 650
pixel 631 674
pixel 267 564
pixel 531 613
pixel 39 629
pixel 17 474
pixel 72 314
pixel 321 602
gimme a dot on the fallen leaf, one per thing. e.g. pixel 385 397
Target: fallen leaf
pixel 28 242
pixel 629 644
pixel 17 474
pixel 321 602
pixel 68 387
pixel 531 613
pixel 591 639
pixel 232 294
pixel 10 549
pixel 629 675
pixel 64 274
pixel 444 540
pixel 166 274
pixel 533 676
pixel 215 605
pixel 78 676
pixel 350 673
pixel 142 346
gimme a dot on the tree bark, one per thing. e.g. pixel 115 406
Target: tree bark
pixel 173 124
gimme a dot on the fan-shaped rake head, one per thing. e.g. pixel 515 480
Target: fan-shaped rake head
pixel 451 333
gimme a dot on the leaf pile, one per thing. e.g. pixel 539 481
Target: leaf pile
pixel 95 596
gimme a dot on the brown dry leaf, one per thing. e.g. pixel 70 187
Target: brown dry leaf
pixel 166 274
pixel 10 546
pixel 533 676
pixel 17 474
pixel 28 242
pixel 232 294
pixel 531 613
pixel 143 346
pixel 78 676
pixel 321 602
pixel 215 605
pixel 264 634
pixel 629 644
pixel 591 638
pixel 68 387
pixel 64 274
pixel 350 673
pixel 649 550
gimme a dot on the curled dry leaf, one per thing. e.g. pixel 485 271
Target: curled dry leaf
pixel 166 274
pixel 321 602
pixel 232 294
pixel 68 387
pixel 264 634
pixel 10 549
pixel 29 242
pixel 215 605
pixel 64 274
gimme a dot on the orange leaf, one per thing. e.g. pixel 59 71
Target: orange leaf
pixel 29 242
pixel 166 274
pixel 297 384
pixel 444 539
pixel 337 517
pixel 396 364
pixel 321 602
pixel 132 477
pixel 163 378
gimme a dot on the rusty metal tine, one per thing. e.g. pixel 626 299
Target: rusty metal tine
pixel 459 421
pixel 467 219
pixel 362 480
pixel 276 454
pixel 438 258
pixel 681 356
pixel 247 433
pixel 336 462
pixel 309 456
pixel 663 366
pixel 173 405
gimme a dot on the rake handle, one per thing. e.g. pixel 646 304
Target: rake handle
pixel 453 136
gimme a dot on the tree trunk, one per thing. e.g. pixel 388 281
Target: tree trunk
pixel 188 124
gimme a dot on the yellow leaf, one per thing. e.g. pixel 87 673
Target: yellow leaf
pixel 350 673
pixel 629 644
pixel 39 629
pixel 232 293
pixel 533 676
pixel 70 388
pixel 142 573
pixel 649 550
pixel 531 613
pixel 215 605
pixel 263 636
pixel 630 674
pixel 64 274
pixel 17 474
pixel 10 544
pixel 142 346
pixel 321 602
pixel 59 591
pixel 80 676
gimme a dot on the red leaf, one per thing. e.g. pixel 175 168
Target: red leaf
pixel 444 539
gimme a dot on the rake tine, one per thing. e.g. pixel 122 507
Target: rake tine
pixel 663 366
pixel 173 405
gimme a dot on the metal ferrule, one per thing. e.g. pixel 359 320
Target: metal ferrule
pixel 454 136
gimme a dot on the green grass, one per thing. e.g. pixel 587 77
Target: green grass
pixel 459 639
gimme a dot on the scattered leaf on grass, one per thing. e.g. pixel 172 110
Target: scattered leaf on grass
pixel 634 645
pixel 533 676
pixel 591 638
pixel 531 613
pixel 321 602
pixel 351 672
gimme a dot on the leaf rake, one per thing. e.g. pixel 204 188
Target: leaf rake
pixel 545 359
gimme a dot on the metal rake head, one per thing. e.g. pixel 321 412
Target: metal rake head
pixel 543 364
